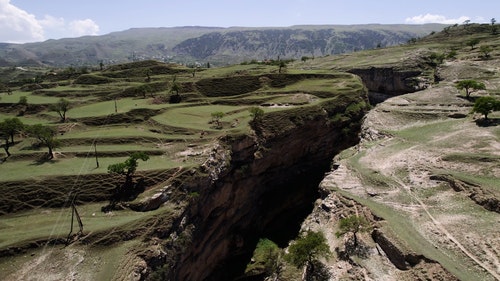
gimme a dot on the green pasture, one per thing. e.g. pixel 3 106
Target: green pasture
pixel 27 120
pixel 32 99
pixel 109 148
pixel 108 107
pixel 312 85
pixel 237 69
pixel 33 169
pixel 428 131
pixel 39 224
pixel 198 117
pixel 117 131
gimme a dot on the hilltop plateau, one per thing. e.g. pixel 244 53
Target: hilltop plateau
pixel 228 156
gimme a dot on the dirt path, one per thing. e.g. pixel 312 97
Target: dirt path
pixel 445 232
pixel 405 141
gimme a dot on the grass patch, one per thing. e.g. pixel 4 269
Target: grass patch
pixel 472 158
pixel 27 120
pixel 112 132
pixel 198 117
pixel 108 107
pixel 427 132
pixel 487 182
pixel 55 223
pixel 369 176
pixel 29 169
pixel 403 229
pixel 32 99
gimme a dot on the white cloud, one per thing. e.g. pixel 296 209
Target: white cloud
pixel 83 27
pixel 59 28
pixel 430 18
pixel 52 22
pixel 18 26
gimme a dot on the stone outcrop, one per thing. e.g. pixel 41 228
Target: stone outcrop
pixel 481 196
pixel 258 186
pixel 392 81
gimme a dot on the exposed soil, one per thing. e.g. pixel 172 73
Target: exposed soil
pixel 406 162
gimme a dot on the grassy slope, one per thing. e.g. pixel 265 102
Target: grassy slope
pixel 176 135
pixel 194 120
pixel 419 137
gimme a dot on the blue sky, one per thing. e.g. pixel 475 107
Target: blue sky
pixel 38 20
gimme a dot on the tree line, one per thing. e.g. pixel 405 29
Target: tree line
pixel 44 134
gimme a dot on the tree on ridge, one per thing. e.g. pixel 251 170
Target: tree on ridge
pixel 8 128
pixel 485 105
pixel 46 135
pixel 306 250
pixel 61 107
pixel 353 224
pixel 470 86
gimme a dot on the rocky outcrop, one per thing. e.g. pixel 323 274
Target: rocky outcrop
pixel 260 185
pixel 389 80
pixel 401 259
pixel 477 194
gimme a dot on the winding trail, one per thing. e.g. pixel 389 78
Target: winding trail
pixel 443 230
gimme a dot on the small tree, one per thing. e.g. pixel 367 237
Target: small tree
pixel 486 50
pixel 436 58
pixel 11 126
pixel 256 113
pixel 5 136
pixel 470 86
pixel 216 117
pixel 23 100
pixel 174 91
pixel 281 65
pixel 493 21
pixel 494 30
pixel 8 128
pixel 46 135
pixel 145 89
pixel 267 258
pixel 307 249
pixel 485 105
pixel 61 107
pixel 128 167
pixel 472 43
pixel 353 224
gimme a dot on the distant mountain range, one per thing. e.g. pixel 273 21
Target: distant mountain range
pixel 218 46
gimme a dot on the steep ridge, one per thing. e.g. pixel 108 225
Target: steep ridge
pixel 426 176
pixel 419 175
pixel 261 185
pixel 219 46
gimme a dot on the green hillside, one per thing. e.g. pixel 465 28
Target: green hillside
pixel 219 46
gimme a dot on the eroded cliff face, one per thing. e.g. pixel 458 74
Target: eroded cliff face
pixel 261 185
pixel 407 187
pixel 385 82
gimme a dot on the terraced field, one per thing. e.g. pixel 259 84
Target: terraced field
pixel 425 173
pixel 114 113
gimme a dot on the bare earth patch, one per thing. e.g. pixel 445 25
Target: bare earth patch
pixel 407 140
